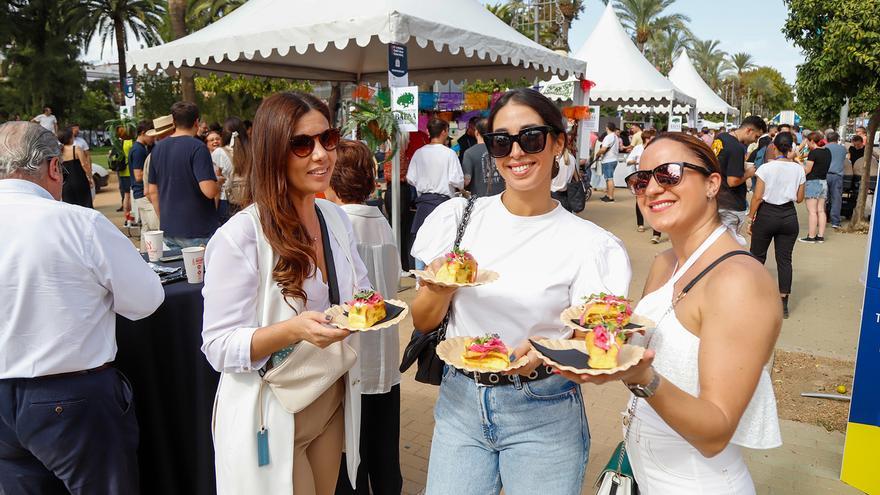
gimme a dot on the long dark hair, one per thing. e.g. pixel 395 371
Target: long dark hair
pixel 281 222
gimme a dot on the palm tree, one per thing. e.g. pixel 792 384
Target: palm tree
pixel 177 19
pixel 664 47
pixel 200 13
pixel 116 18
pixel 644 17
pixel 742 62
pixel 711 62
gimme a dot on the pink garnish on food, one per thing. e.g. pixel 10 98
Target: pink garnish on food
pixel 365 296
pixel 602 338
pixel 486 344
pixel 458 254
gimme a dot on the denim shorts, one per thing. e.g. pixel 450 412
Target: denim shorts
pixel 608 170
pixel 816 188
pixel 529 438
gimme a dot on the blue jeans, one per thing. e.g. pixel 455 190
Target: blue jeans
pixel 183 242
pixel 529 438
pixel 835 192
pixel 608 170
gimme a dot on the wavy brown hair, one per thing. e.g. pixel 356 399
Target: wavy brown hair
pixel 354 177
pixel 273 128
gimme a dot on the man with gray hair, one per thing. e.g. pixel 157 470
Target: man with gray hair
pixel 67 423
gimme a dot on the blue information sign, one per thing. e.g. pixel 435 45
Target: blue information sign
pixel 397 64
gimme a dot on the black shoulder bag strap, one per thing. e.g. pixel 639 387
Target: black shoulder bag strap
pixel 690 285
pixel 332 283
pixel 462 226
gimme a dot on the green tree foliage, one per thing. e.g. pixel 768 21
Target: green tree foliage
pixel 552 34
pixel 841 43
pixel 222 96
pixel 710 61
pixel 116 18
pixel 155 94
pixel 39 41
pixel 643 18
pixel 767 85
pixel 95 106
pixel 664 47
pixel 741 62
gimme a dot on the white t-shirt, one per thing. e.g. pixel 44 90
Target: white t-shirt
pixel 221 160
pixel 434 168
pixel 612 142
pixel 81 143
pixel 781 181
pixel 546 263
pixel 566 170
pixel 47 121
pixel 635 156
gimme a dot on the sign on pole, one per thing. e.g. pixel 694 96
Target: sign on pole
pixel 398 77
pixel 863 428
pixel 128 92
pixel 674 123
pixel 591 124
pixel 406 101
pixel 398 72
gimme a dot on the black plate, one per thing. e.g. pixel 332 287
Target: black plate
pixel 391 312
pixel 628 326
pixel 566 357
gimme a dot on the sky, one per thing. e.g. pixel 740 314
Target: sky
pixel 752 26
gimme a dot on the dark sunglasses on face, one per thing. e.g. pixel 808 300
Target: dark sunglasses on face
pixel 667 175
pixel 303 145
pixel 531 140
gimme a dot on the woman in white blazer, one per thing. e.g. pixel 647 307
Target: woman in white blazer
pixel 269 277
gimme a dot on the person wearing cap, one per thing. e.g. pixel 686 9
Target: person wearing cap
pixel 67 419
pixel 137 159
pixel 182 182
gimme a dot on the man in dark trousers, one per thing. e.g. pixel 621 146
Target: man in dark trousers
pixel 67 419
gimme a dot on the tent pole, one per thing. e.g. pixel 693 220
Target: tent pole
pixel 395 195
pixel 671 111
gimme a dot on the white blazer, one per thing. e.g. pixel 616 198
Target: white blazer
pixel 236 418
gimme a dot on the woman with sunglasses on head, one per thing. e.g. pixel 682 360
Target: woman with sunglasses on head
pixel 270 273
pixel 525 431
pixel 701 391
pixel 772 216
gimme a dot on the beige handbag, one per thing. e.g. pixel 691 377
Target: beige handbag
pixel 308 371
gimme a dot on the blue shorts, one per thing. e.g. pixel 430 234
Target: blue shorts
pixel 816 188
pixel 125 183
pixel 608 170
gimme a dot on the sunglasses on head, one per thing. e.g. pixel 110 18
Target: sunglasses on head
pixel 531 140
pixel 667 175
pixel 303 145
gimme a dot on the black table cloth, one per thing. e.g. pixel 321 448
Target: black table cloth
pixel 174 390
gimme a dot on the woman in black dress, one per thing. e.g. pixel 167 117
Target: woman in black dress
pixel 77 188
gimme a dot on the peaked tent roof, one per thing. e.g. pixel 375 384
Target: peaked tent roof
pixel 346 40
pixel 685 76
pixel 621 73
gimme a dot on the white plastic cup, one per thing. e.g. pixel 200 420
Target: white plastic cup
pixel 154 242
pixel 194 263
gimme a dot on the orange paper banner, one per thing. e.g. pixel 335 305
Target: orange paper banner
pixel 363 92
pixel 475 101
pixel 576 112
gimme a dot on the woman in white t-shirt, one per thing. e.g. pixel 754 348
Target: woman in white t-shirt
pixel 525 432
pixel 773 216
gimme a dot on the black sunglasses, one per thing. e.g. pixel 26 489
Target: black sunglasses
pixel 531 140
pixel 303 145
pixel 667 175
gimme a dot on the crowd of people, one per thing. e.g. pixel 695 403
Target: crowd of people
pixel 286 209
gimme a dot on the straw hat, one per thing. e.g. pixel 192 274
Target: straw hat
pixel 161 125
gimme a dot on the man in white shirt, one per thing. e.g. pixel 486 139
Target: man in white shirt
pixel 67 423
pixel 609 153
pixel 434 172
pixel 47 120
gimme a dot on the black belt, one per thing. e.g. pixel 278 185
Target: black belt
pixel 76 373
pixel 493 379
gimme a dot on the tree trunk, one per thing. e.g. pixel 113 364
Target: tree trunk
pixel 177 12
pixel 857 222
pixel 119 31
pixel 335 98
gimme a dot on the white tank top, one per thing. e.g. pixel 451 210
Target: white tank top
pixel 677 361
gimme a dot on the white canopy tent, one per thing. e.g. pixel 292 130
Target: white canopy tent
pixel 347 40
pixel 684 75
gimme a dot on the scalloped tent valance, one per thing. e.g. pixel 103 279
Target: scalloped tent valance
pixel 346 40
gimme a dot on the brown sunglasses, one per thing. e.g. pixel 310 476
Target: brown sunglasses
pixel 303 145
